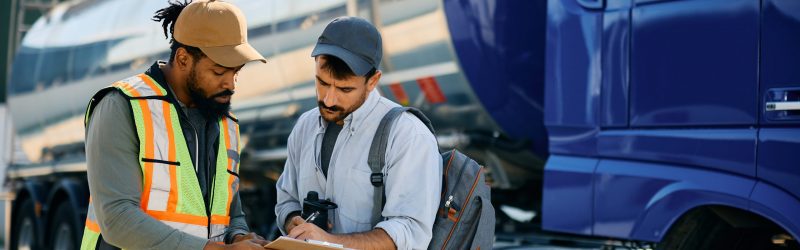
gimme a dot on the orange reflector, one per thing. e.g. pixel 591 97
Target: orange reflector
pixel 431 89
pixel 37 209
pixel 399 93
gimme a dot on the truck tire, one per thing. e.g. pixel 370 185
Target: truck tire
pixel 705 229
pixel 64 231
pixel 25 229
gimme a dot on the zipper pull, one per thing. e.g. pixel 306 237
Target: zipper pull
pixel 447 204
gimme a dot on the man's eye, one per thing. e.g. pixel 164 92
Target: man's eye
pixel 347 90
pixel 219 74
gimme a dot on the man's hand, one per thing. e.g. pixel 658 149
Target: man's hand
pixel 373 239
pixel 253 237
pixel 245 244
pixel 310 231
pixel 293 222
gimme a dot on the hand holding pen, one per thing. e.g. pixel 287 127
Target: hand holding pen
pixel 308 230
pixel 297 220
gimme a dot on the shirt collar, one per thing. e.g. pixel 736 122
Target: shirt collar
pixel 356 118
pixel 155 72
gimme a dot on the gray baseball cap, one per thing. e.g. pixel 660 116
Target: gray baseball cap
pixel 354 40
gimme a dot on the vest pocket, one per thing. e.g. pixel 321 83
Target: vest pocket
pixel 158 183
pixel 161 161
pixel 233 173
pixel 235 184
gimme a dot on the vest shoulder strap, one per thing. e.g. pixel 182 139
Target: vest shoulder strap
pixel 139 86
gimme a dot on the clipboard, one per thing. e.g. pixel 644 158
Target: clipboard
pixel 286 243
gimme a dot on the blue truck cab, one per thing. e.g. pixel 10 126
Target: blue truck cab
pixel 674 121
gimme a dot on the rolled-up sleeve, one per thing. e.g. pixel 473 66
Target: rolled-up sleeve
pixel 413 184
pixel 287 198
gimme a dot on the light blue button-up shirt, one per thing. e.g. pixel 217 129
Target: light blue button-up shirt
pixel 413 174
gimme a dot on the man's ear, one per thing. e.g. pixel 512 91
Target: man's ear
pixel 182 59
pixel 373 81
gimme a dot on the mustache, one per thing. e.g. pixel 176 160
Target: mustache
pixel 226 92
pixel 334 108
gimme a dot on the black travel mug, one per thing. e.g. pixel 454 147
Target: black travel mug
pixel 312 204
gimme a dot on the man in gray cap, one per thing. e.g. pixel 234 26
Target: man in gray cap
pixel 329 146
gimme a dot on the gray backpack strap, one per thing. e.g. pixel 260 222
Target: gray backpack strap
pixel 377 155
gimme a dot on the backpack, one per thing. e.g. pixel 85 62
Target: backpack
pixel 465 217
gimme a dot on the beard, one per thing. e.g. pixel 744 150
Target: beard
pixel 211 109
pixel 339 112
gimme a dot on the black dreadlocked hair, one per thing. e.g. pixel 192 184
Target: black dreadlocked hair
pixel 168 17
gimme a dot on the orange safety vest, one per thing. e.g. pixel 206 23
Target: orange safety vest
pixel 171 192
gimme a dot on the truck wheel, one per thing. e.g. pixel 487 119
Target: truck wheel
pixel 64 232
pixel 705 229
pixel 23 236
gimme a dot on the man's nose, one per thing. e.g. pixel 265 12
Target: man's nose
pixel 330 98
pixel 229 81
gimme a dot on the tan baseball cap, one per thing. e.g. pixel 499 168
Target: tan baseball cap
pixel 217 28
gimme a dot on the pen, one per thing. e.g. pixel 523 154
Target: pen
pixel 309 219
pixel 312 217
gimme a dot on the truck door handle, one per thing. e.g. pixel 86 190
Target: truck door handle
pixel 783 106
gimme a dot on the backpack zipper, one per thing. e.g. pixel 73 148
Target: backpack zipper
pixel 450 198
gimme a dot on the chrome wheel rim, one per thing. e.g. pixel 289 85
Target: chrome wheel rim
pixel 25 240
pixel 63 239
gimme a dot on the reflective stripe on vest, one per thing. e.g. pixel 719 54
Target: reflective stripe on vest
pixel 225 185
pixel 171 192
pixel 91 233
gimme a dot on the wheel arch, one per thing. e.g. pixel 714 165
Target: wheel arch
pixel 662 214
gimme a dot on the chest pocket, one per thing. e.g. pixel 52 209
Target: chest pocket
pixel 354 196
